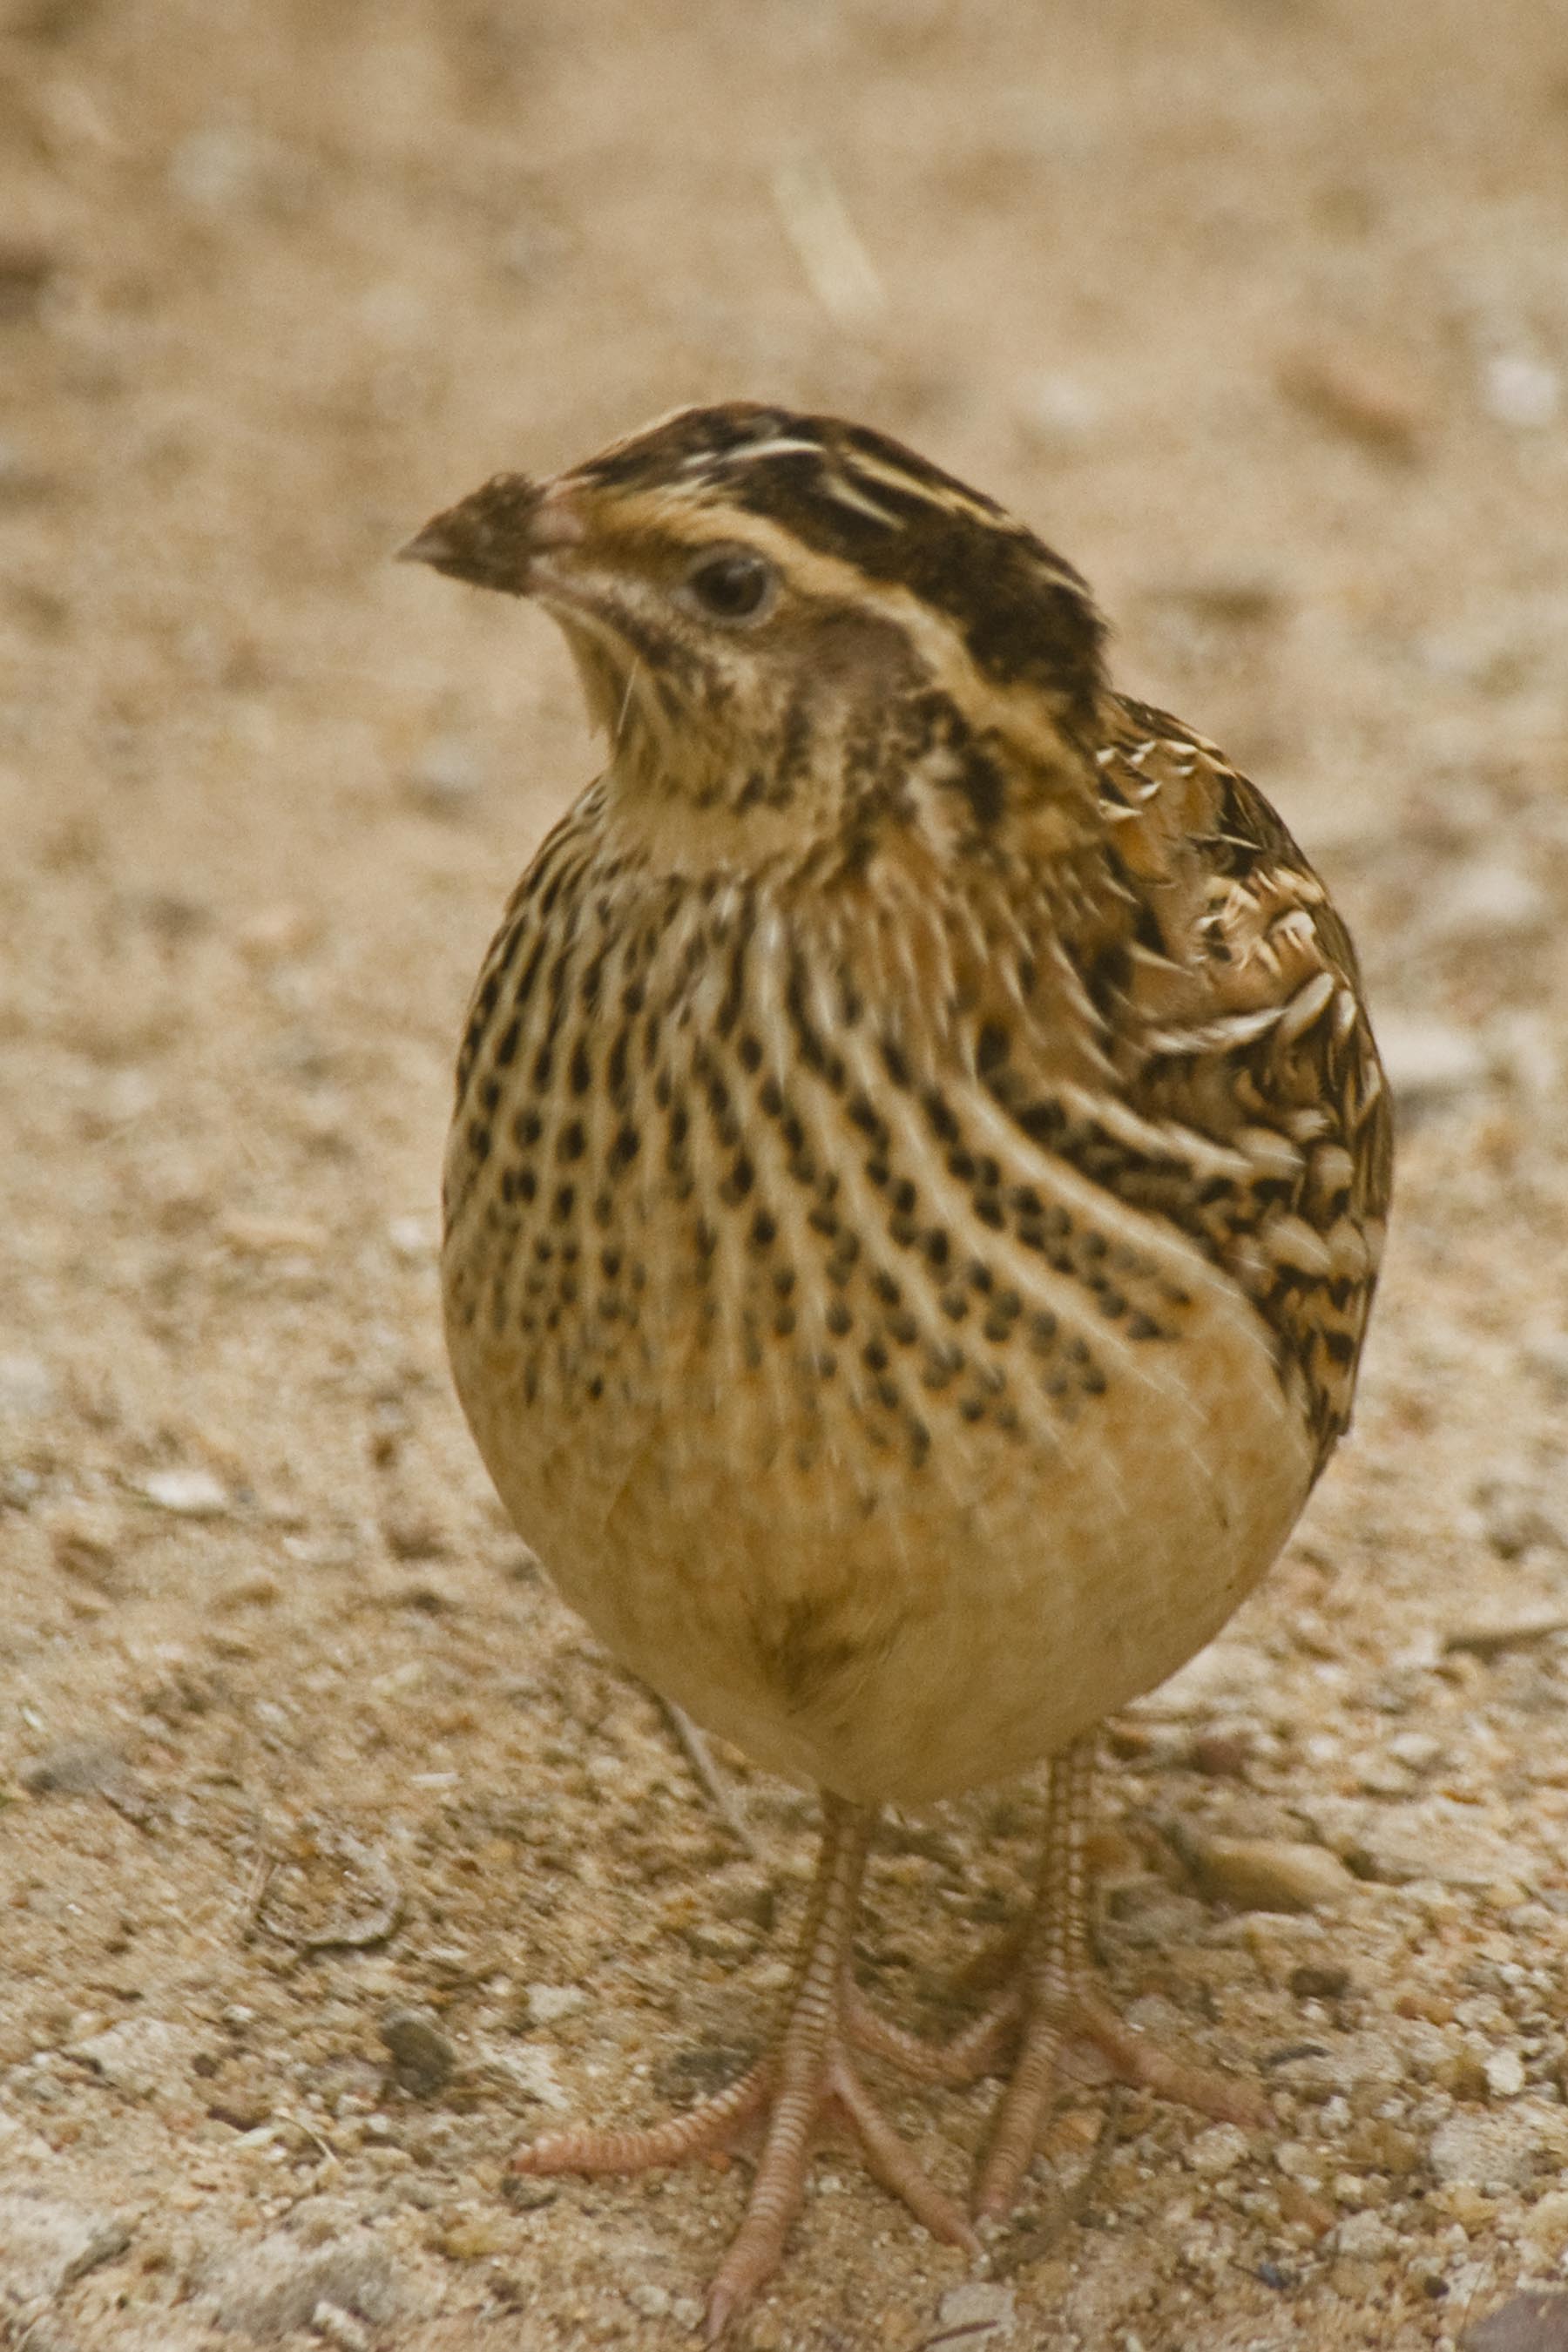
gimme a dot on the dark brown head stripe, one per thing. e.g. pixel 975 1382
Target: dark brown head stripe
pixel 1023 614
pixel 664 452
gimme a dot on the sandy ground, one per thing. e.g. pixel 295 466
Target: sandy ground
pixel 1259 310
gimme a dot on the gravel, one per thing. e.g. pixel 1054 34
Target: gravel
pixel 294 1742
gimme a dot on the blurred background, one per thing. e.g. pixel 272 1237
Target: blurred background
pixel 1259 311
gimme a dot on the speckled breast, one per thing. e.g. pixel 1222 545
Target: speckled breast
pixel 889 1446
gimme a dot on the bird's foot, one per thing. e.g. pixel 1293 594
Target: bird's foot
pixel 978 2049
pixel 1074 2035
pixel 1062 2027
pixel 792 2100
pixel 807 2077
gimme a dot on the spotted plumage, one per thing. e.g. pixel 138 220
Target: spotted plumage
pixel 920 1160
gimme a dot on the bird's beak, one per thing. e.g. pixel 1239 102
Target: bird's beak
pixel 493 538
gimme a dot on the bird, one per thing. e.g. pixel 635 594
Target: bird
pixel 913 1207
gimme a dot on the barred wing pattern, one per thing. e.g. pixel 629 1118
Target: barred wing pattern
pixel 1243 1027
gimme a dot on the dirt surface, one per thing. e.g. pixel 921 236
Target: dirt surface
pixel 1258 309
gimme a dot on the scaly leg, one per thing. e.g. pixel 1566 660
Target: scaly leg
pixel 1059 2006
pixel 808 2073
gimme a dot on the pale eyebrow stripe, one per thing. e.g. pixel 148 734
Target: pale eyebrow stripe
pixel 835 486
pixel 705 460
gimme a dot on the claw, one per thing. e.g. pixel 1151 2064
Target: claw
pixel 808 2074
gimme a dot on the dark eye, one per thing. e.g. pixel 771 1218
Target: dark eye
pixel 732 586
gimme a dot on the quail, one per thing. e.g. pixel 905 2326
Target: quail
pixel 913 1204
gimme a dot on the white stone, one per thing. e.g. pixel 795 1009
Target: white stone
pixel 27 1386
pixel 1495 2153
pixel 189 1494
pixel 1546 2223
pixel 1060 407
pixel 1218 2150
pixel 19 2147
pixel 1431 1838
pixel 532 2067
pixel 338 2326
pixel 1504 2071
pixel 270 2287
pixel 139 2057
pixel 983 2308
pixel 1366 2237
pixel 45 2244
pixel 412 1239
pixel 1521 391
pixel 546 2003
pixel 444 776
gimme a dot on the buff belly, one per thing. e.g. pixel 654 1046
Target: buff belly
pixel 898 1631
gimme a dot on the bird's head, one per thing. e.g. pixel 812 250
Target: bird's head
pixel 788 613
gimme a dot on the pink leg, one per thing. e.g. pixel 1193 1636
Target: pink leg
pixel 1059 2007
pixel 968 2055
pixel 808 2073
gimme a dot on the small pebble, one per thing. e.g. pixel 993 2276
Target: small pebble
pixel 1218 2152
pixel 1270 1874
pixel 443 778
pixel 1058 408
pixel 1366 2237
pixel 1521 1632
pixel 717 1939
pixel 1361 393
pixel 1221 1755
pixel 265 2287
pixel 139 2056
pixel 531 2070
pixel 47 2244
pixel 981 2308
pixel 28 1389
pixel 339 2326
pixel 77 1767
pixel 1430 1838
pixel 546 2003
pixel 258 1588
pixel 217 167
pixel 472 2237
pixel 189 1494
pixel 526 2195
pixel 1492 2153
pixel 1320 1980
pixel 1520 391
pixel 414 1239
pixel 423 2056
pixel 1546 2223
pixel 278 934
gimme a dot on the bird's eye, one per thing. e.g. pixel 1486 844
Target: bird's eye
pixel 733 585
